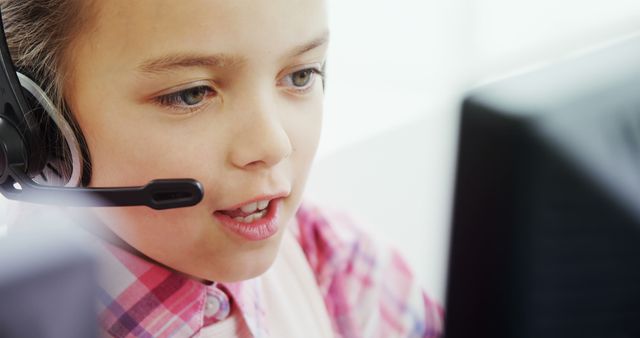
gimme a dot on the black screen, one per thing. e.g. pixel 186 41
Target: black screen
pixel 546 224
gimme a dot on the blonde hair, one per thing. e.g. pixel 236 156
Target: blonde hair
pixel 39 35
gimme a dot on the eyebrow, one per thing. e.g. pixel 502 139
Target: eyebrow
pixel 184 60
pixel 313 44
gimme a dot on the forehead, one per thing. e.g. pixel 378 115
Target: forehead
pixel 259 28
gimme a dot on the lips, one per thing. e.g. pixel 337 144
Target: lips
pixel 254 220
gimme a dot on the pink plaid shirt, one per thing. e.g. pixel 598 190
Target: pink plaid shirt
pixel 365 289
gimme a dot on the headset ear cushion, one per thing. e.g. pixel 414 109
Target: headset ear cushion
pixel 46 165
pixel 58 154
pixel 41 137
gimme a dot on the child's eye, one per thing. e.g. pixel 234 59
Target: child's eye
pixel 190 98
pixel 301 80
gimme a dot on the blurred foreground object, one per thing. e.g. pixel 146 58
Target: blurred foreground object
pixel 546 223
pixel 47 284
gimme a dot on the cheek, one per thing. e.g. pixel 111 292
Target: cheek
pixel 171 237
pixel 307 129
pixel 304 132
pixel 131 155
pixel 141 226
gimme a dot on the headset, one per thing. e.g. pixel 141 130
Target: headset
pixel 27 149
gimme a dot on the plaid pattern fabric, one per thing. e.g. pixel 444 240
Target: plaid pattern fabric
pixel 368 291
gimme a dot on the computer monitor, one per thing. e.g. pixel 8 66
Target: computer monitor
pixel 545 238
pixel 48 287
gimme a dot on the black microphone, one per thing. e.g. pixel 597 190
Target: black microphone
pixel 158 194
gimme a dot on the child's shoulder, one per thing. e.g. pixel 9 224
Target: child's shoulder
pixel 329 234
pixel 335 243
pixel 367 285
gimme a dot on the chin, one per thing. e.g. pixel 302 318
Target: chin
pixel 243 266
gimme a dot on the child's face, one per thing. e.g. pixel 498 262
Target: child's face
pixel 214 90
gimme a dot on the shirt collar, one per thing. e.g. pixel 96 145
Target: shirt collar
pixel 141 298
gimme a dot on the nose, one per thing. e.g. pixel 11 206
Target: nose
pixel 261 140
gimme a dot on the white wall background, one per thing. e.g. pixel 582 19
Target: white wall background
pixel 396 72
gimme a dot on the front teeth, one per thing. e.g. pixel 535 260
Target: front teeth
pixel 251 217
pixel 252 207
pixel 263 204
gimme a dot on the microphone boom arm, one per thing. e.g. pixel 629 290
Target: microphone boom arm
pixel 158 194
